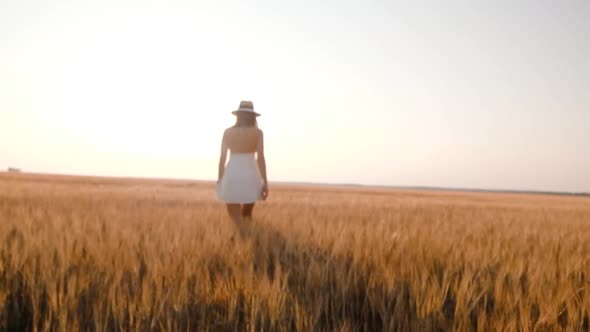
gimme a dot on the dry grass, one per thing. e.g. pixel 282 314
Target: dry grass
pixel 123 254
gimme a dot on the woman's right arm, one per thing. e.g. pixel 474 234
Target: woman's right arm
pixel 222 157
pixel 262 164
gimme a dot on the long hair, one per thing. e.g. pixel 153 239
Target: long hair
pixel 245 120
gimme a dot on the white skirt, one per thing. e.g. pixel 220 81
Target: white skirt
pixel 241 182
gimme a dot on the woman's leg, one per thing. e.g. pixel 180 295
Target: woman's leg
pixel 247 210
pixel 234 213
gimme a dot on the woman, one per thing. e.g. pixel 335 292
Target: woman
pixel 243 181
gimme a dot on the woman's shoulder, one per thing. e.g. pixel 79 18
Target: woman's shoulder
pixel 242 133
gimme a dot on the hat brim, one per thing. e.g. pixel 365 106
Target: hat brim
pixel 248 112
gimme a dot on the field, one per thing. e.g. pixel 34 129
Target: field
pixel 100 254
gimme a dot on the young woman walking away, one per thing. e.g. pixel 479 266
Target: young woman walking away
pixel 242 181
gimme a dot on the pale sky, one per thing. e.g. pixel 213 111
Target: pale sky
pixel 471 94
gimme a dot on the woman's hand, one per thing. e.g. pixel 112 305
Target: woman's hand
pixel 264 190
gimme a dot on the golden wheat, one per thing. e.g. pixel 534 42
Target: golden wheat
pixel 81 253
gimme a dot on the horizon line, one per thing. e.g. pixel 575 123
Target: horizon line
pixel 338 184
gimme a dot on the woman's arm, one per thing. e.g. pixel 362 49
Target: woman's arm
pixel 222 157
pixel 262 164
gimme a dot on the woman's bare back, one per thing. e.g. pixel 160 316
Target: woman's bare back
pixel 242 140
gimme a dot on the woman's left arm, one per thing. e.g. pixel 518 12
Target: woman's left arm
pixel 222 157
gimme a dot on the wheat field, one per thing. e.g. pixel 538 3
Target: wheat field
pixel 104 254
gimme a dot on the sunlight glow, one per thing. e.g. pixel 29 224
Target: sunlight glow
pixel 380 93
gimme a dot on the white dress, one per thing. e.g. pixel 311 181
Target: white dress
pixel 241 182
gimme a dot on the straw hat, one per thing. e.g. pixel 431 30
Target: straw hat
pixel 245 107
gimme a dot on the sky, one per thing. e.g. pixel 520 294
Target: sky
pixel 462 94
